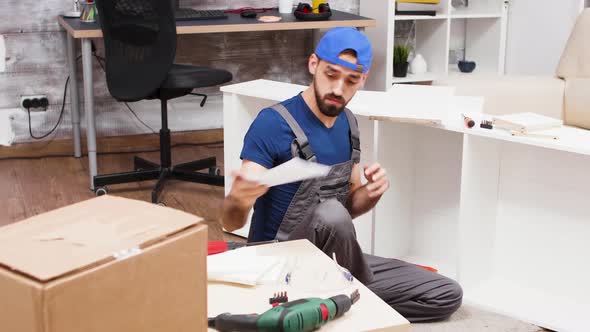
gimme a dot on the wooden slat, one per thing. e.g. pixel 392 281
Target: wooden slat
pixel 15 84
pixel 237 46
pixel 36 64
pixel 35 52
pixel 109 144
pixel 41 68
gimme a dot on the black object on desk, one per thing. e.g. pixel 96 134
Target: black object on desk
pixel 304 12
pixel 140 47
pixel 189 14
pixel 248 14
pixel 416 12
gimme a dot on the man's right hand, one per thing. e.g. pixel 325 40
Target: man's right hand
pixel 242 196
pixel 244 192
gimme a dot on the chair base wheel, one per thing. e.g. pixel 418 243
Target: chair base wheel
pixel 214 170
pixel 101 191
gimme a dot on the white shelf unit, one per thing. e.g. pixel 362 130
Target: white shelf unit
pixel 479 30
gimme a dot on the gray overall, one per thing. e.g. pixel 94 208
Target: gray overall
pixel 318 213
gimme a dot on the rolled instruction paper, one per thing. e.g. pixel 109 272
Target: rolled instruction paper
pixel 293 170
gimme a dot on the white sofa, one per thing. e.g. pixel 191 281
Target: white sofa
pixel 565 96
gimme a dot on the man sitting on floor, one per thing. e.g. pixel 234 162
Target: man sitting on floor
pixel 316 126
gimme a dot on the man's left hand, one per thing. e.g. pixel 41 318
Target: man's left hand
pixel 377 179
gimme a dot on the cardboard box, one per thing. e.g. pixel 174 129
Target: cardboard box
pixel 106 264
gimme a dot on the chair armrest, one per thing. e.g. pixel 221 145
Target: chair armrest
pixel 577 99
pixel 512 94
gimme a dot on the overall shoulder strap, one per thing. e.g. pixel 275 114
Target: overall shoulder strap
pixel 301 142
pixel 355 141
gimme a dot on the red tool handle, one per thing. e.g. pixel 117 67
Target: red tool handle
pixel 216 247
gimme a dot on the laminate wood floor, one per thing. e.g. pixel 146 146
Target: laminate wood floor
pixel 33 186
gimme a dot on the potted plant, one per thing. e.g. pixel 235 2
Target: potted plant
pixel 400 60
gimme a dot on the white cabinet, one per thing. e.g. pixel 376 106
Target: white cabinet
pixel 479 30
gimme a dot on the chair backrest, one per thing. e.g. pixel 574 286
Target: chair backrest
pixel 140 45
pixel 575 60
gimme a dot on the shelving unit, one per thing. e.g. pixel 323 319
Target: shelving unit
pixel 479 31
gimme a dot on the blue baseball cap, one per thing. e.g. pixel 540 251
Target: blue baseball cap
pixel 338 40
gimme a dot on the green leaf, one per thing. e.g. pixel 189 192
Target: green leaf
pixel 401 53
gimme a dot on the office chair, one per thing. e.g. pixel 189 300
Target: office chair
pixel 140 46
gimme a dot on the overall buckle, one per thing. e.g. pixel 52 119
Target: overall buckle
pixel 305 150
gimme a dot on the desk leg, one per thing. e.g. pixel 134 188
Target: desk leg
pixel 89 108
pixel 74 96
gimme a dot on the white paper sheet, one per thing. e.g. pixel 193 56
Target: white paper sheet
pixel 243 266
pixel 293 170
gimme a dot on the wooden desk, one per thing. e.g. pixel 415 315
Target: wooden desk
pixel 234 23
pixel 507 216
pixel 370 313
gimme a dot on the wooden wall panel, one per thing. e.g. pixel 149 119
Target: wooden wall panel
pixel 37 51
pixel 242 45
pixel 36 64
pixel 18 16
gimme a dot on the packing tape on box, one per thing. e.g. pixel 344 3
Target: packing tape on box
pixel 126 253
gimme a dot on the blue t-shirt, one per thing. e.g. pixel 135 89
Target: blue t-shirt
pixel 268 143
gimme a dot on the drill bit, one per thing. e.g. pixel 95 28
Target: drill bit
pixel 280 297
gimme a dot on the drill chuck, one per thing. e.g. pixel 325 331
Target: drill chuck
pixel 342 303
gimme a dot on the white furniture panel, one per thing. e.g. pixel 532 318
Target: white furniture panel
pixel 364 224
pixel 394 220
pixel 524 227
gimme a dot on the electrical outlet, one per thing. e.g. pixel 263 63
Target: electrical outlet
pixel 34 102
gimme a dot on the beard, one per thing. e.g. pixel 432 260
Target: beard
pixel 330 110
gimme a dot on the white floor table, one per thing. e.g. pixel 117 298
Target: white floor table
pixel 370 313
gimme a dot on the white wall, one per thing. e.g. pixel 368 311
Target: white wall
pixel 537 33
